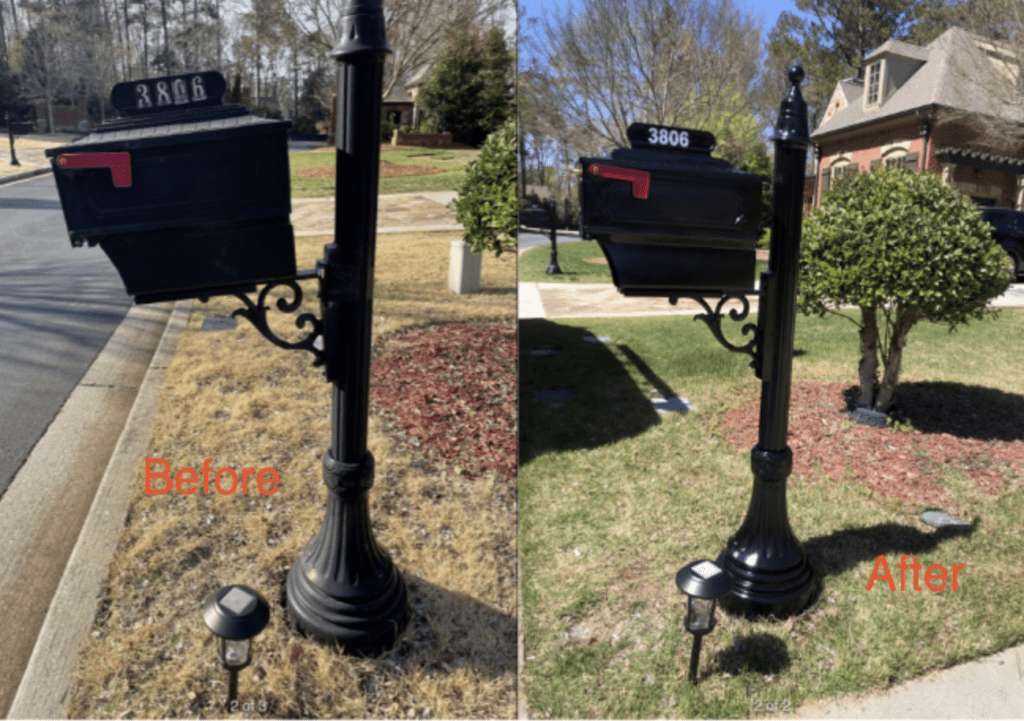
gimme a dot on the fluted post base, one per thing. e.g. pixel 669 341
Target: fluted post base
pixel 770 573
pixel 344 587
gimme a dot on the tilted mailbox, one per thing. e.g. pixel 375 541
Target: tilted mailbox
pixel 188 197
pixel 671 219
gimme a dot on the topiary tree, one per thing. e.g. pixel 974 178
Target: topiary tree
pixel 486 205
pixel 903 247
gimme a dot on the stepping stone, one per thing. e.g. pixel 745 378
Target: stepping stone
pixel 219 322
pixel 545 352
pixel 553 395
pixel 672 404
pixel 867 417
pixel 596 338
pixel 940 519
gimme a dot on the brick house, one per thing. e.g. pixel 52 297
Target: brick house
pixel 916 107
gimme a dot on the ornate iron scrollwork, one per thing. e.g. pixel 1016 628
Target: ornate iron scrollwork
pixel 713 320
pixel 257 315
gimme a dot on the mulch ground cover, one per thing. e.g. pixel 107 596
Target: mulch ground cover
pixel 448 394
pixel 987 445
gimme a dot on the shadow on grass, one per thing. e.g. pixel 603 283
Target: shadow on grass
pixel 965 411
pixel 760 653
pixel 447 631
pixel 653 378
pixel 835 553
pixel 577 394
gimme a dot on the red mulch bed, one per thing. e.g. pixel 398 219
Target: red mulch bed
pixel 448 395
pixel 892 463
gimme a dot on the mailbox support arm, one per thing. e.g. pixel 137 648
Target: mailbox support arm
pixel 713 320
pixel 256 313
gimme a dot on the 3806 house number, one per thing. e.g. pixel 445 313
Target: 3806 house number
pixel 670 137
pixel 174 92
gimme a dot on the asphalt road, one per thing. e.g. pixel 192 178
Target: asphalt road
pixel 58 307
pixel 532 238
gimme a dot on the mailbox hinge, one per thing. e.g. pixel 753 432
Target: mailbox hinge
pixel 713 320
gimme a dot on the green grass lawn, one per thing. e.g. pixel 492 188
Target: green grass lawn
pixel 452 162
pixel 615 498
pixel 581 262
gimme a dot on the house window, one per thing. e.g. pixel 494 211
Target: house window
pixel 898 159
pixel 842 169
pixel 874 82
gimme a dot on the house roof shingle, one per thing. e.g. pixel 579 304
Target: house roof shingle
pixel 953 64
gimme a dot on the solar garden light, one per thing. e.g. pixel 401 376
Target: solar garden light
pixel 235 614
pixel 704 583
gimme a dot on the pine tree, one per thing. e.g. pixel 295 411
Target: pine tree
pixel 468 93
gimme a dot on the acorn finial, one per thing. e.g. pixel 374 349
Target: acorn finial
pixel 796 72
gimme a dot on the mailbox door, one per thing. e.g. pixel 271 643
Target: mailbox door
pixel 672 228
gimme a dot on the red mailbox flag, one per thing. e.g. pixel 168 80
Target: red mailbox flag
pixel 640 179
pixel 119 164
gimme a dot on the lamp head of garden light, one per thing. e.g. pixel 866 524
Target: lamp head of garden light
pixel 704 583
pixel 235 614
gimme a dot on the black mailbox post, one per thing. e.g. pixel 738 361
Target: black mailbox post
pixel 189 197
pixel 671 219
pixel 675 222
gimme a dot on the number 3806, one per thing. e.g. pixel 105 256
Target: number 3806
pixel 664 136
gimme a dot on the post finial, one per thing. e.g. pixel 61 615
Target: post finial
pixel 362 29
pixel 791 126
pixel 796 73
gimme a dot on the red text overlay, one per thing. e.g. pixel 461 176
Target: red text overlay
pixel 935 575
pixel 224 481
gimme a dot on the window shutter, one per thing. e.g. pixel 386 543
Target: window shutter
pixel 910 161
pixel 875 164
pixel 826 176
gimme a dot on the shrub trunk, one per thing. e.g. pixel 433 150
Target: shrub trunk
pixel 868 357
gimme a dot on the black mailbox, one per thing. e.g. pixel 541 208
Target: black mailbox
pixel 189 197
pixel 671 219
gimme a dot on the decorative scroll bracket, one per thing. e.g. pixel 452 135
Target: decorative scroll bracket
pixel 256 313
pixel 713 320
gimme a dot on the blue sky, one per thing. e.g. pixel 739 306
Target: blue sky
pixel 769 10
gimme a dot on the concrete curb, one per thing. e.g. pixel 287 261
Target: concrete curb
pixel 46 683
pixel 23 176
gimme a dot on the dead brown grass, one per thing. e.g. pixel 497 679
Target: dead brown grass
pixel 233 397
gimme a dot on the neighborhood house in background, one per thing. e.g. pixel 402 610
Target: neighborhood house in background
pixel 927 109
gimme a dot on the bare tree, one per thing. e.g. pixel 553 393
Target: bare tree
pixel 416 29
pixel 989 64
pixel 43 65
pixel 608 64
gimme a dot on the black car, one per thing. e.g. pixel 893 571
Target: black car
pixel 1009 233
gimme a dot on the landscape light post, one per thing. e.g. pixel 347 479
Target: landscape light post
pixel 769 570
pixel 703 583
pixel 344 587
pixel 10 136
pixel 553 268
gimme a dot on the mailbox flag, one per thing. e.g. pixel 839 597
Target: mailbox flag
pixel 640 179
pixel 120 164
